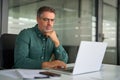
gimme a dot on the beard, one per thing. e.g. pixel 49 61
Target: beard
pixel 47 29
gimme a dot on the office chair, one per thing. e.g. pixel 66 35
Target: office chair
pixel 7 44
pixel 72 52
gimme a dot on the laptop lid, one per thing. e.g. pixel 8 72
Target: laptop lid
pixel 90 56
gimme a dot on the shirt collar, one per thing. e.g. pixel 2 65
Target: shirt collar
pixel 39 33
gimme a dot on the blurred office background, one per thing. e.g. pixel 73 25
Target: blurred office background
pixel 76 20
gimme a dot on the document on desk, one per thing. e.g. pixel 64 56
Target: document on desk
pixel 28 73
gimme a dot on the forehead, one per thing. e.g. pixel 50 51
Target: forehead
pixel 48 14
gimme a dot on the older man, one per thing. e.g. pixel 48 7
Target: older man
pixel 35 46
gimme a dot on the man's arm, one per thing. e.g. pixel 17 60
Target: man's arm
pixel 59 52
pixel 54 64
pixel 53 37
pixel 21 53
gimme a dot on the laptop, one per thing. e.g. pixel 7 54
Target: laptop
pixel 89 58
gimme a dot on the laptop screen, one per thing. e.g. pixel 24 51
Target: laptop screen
pixel 90 56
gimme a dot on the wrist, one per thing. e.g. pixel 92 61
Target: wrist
pixel 45 64
pixel 57 44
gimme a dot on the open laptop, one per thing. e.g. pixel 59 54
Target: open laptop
pixel 89 58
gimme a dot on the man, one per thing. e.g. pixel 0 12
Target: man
pixel 35 46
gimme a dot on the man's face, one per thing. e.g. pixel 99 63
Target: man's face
pixel 46 21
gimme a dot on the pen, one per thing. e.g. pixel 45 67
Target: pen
pixel 41 77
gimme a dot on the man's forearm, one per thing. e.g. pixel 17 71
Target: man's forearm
pixel 54 64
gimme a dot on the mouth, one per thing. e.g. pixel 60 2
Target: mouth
pixel 48 29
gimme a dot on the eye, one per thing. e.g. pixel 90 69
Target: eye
pixel 52 20
pixel 47 19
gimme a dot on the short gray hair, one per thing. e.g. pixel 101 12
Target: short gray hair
pixel 44 9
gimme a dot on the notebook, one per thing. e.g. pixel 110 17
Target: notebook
pixel 89 58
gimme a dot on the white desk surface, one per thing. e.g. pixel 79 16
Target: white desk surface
pixel 107 72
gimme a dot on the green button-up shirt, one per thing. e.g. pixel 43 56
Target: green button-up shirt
pixel 32 48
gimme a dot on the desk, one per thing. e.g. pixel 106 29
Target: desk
pixel 107 72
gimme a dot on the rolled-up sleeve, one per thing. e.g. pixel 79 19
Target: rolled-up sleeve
pixel 61 54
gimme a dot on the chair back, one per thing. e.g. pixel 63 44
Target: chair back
pixel 72 52
pixel 7 44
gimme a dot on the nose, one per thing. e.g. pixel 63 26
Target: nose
pixel 49 22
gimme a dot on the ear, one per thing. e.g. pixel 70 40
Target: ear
pixel 37 19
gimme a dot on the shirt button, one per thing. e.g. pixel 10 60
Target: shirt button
pixel 39 35
pixel 43 48
pixel 57 50
pixel 42 57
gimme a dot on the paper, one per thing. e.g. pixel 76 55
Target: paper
pixel 28 73
pixel 9 73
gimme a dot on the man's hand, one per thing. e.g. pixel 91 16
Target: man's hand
pixel 53 36
pixel 54 64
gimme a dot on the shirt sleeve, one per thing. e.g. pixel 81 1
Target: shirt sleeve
pixel 21 53
pixel 61 54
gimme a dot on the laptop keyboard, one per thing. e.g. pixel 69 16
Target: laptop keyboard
pixel 69 69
